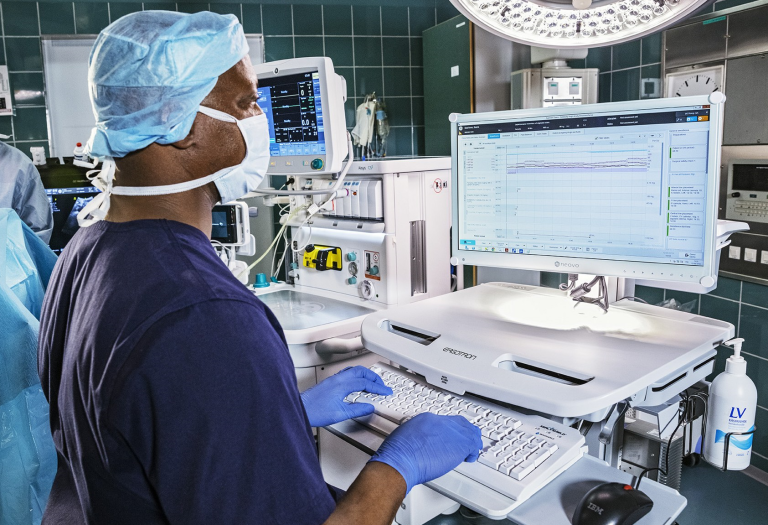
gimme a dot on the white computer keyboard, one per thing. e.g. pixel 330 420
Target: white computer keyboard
pixel 522 453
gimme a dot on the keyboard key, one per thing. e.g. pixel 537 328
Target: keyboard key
pixel 492 461
pixel 522 470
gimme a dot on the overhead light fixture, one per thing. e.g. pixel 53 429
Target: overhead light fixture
pixel 575 23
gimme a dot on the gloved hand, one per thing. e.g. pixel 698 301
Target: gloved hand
pixel 428 446
pixel 324 402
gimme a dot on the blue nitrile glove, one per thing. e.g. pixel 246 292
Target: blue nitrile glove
pixel 428 446
pixel 324 402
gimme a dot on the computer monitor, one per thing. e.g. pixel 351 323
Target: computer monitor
pixel 303 99
pixel 623 189
pixel 68 190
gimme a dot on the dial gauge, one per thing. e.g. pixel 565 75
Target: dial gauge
pixel 695 82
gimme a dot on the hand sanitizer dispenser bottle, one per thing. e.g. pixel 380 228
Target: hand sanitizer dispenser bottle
pixel 732 405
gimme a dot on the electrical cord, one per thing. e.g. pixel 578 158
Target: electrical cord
pixel 633 298
pixel 681 420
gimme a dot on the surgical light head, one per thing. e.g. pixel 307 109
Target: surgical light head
pixel 148 73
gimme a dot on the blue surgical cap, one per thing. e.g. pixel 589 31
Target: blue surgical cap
pixel 149 71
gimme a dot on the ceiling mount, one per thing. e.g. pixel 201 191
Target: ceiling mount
pixel 575 23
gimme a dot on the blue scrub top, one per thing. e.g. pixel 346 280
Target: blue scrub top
pixel 172 391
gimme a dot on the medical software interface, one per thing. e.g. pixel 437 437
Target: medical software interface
pixel 622 186
pixel 294 110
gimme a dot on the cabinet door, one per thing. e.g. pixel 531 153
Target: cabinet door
pixel 447 80
pixel 746 105
pixel 695 43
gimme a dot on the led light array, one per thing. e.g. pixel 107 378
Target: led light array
pixel 534 19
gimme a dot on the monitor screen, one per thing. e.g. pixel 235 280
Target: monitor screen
pixel 293 106
pixel 626 185
pixel 68 190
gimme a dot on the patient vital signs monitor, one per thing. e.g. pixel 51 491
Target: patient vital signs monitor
pixel 303 100
pixel 620 189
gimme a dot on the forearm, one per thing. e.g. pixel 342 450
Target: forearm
pixel 373 499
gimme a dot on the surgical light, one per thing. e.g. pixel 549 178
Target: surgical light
pixel 575 23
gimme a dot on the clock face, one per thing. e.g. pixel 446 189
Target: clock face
pixel 696 82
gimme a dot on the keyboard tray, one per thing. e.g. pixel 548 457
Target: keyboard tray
pixel 567 489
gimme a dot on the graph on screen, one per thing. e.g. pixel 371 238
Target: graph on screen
pixel 592 189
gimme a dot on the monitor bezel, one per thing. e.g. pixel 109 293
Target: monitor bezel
pixel 653 271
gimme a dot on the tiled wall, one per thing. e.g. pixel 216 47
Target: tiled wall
pixel 375 48
pixel 624 66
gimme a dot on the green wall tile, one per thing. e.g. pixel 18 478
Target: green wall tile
pixel 760 441
pixel 307 20
pixel 27 89
pixel 396 51
pixel 367 80
pixel 2 53
pixel 20 19
pixel 417 103
pixel 394 21
pixel 599 57
pixel 759 462
pixel 309 46
pixel 649 295
pixel 226 9
pixel 652 49
pixel 30 124
pixel 337 19
pixel 278 47
pixel 339 49
pixel 728 288
pixel 397 81
pixel 398 111
pixel 399 142
pixel 191 7
pixel 118 10
pixel 349 111
pixel 753 327
pixel 417 52
pixel 349 75
pixel 626 55
pixel 57 18
pixel 417 81
pixel 421 18
pixel 367 51
pixel 6 128
pixel 551 279
pixel 418 141
pixel 625 85
pixel 90 18
pixel 727 4
pixel 756 294
pixel 276 19
pixel 446 11
pixel 23 54
pixel 604 87
pixel 252 18
pixel 159 6
pixel 366 20
pixel 722 309
pixel 578 64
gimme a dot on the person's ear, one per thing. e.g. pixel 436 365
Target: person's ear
pixel 191 138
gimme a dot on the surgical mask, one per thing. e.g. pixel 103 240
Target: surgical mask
pixel 233 182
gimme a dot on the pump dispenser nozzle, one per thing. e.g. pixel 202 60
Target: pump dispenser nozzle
pixel 735 364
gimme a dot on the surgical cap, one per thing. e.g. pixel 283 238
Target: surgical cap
pixel 149 71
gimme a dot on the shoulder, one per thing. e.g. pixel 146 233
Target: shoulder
pixel 13 159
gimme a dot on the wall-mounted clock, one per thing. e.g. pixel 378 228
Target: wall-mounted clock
pixel 702 81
